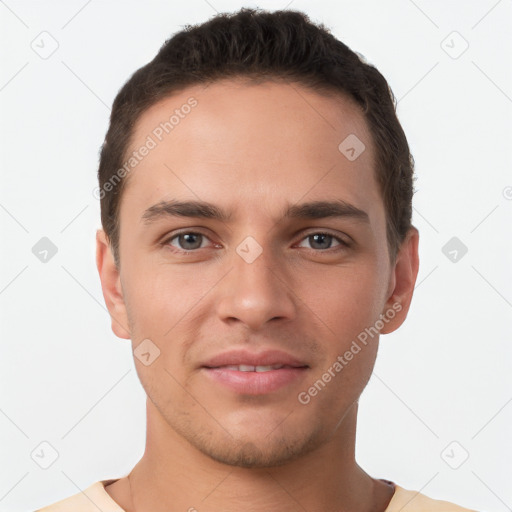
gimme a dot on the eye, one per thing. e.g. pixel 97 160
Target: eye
pixel 186 241
pixel 323 241
pixel 189 241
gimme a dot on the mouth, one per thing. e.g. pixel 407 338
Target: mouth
pixel 246 372
pixel 252 368
pixel 247 379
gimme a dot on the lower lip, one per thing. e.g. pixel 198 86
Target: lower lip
pixel 255 383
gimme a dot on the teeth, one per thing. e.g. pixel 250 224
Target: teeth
pixel 268 368
pixel 250 368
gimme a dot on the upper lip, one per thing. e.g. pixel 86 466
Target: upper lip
pixel 266 358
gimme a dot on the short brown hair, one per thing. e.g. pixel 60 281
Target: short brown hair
pixel 254 44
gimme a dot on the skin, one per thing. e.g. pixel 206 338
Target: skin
pixel 253 150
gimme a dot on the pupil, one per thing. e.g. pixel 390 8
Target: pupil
pixel 187 240
pixel 323 237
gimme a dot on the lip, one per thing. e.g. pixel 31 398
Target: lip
pixel 255 383
pixel 265 358
pixel 252 382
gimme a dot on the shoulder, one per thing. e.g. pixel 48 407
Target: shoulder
pixel 92 499
pixel 405 500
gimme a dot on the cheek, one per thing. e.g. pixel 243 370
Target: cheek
pixel 159 295
pixel 168 306
pixel 349 302
pixel 344 315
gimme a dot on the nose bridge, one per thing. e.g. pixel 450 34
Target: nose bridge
pixel 255 290
pixel 255 263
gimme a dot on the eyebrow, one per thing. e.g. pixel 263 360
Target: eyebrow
pixel 205 210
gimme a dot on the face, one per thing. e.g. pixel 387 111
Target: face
pixel 281 260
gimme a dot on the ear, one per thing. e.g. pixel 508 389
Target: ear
pixel 402 282
pixel 111 286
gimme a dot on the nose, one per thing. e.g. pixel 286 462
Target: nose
pixel 256 291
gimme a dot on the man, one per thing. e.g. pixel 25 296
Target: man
pixel 256 192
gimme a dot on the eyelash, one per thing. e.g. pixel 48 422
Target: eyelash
pixel 342 243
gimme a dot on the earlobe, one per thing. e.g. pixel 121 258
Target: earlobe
pixel 111 286
pixel 403 280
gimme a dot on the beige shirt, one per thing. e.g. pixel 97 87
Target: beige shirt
pixel 96 498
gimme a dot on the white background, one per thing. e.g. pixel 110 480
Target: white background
pixel 443 377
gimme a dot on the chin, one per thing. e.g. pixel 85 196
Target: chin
pixel 258 450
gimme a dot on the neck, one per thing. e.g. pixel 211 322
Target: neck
pixel 174 475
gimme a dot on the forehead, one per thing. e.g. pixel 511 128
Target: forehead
pixel 254 145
